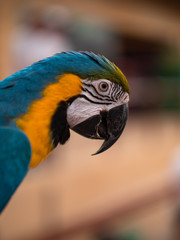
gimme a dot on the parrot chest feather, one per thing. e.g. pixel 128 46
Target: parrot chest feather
pixel 36 123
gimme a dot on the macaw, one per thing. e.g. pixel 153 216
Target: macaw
pixel 39 104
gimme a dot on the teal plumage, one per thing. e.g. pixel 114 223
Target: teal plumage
pixel 15 157
pixel 26 86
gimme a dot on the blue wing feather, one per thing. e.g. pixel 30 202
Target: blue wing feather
pixel 15 154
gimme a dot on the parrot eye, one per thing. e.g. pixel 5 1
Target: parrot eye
pixel 103 86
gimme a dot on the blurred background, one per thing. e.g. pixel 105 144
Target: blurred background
pixel 132 191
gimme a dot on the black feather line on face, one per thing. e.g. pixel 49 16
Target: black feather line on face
pixel 59 126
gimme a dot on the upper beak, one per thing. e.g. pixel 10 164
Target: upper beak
pixel 107 125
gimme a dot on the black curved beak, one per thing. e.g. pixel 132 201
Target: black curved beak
pixel 107 125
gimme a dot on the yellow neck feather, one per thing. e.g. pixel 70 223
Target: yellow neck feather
pixel 36 122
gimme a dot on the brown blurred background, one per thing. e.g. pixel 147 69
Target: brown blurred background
pixel 132 191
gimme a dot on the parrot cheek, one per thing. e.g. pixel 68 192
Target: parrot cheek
pixel 107 125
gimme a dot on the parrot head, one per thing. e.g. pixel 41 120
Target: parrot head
pixel 81 91
pixel 100 111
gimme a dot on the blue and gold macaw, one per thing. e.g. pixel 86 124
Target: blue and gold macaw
pixel 39 104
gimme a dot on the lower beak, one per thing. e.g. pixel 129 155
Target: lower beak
pixel 107 125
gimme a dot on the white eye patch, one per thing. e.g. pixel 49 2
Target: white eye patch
pixel 93 100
